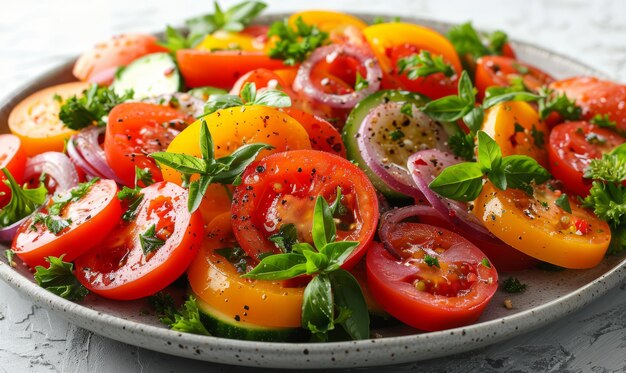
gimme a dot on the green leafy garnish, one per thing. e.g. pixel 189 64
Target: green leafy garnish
pixel 467 41
pixel 9 254
pixel 424 64
pixel 485 262
pixel 186 319
pixel 249 96
pixel 236 256
pixel 538 137
pixel 603 121
pixel 149 240
pixel 143 176
pixel 233 19
pixel 52 222
pixel 407 109
pixel 176 40
pixel 464 181
pixel 74 195
pixel 513 285
pixel 59 279
pixel 224 170
pixel 204 93
pixel 295 45
pixel 23 201
pixel 431 261
pixel 607 197
pixel 332 291
pixel 560 104
pixel 92 107
pixel 286 237
pixel 361 83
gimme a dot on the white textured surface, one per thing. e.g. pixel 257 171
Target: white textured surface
pixel 35 35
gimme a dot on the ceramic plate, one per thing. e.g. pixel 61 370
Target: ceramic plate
pixel 550 295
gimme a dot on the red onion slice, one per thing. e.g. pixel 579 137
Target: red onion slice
pixel 78 159
pixel 387 138
pixel 87 145
pixel 7 233
pixel 57 166
pixel 329 53
pixel 425 166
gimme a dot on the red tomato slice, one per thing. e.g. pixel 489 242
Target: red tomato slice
pixel 13 157
pixel 571 148
pixel 262 78
pixel 137 129
pixel 92 218
pixel 282 189
pixel 596 96
pixel 430 297
pixel 434 86
pixel 118 269
pixel 100 64
pixel 199 67
pixel 323 135
pixel 500 71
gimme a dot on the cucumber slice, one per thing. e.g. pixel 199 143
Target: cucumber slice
pixel 226 326
pixel 353 124
pixel 151 75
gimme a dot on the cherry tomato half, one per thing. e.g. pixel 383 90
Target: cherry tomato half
pixel 538 227
pixel 137 129
pixel 92 218
pixel 13 158
pixel 323 135
pixel 118 268
pixel 500 71
pixel 436 282
pixel 572 147
pixel 282 189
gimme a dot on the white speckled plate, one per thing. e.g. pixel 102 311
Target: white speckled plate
pixel 550 295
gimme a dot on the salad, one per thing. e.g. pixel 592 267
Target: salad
pixel 311 179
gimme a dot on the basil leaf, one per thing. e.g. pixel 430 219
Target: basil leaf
pixel 489 153
pixel 206 142
pixel 619 151
pixel 315 261
pixel 197 189
pixel 474 119
pixel 563 202
pixel 347 293
pixel 510 96
pixel 286 237
pixel 521 170
pixel 317 306
pixel 338 252
pixel 446 109
pixel 248 92
pixel 461 182
pixel 301 247
pixel 218 102
pixel 498 178
pixel 467 93
pixel 182 163
pixel 238 161
pixel 324 229
pixel 273 97
pixel 279 267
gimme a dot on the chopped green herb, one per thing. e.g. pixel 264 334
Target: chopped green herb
pixel 361 83
pixel 59 279
pixel 431 261
pixel 74 195
pixel 603 121
pixel 236 256
pixel 286 237
pixel 267 97
pixel 560 104
pixel 396 135
pixel 91 108
pixel 424 64
pixel 538 137
pixel 485 262
pixel 23 201
pixel 234 19
pixel 52 222
pixel 186 319
pixel 513 285
pixel 407 109
pixel 149 241
pixel 563 203
pixel 9 254
pixel 294 46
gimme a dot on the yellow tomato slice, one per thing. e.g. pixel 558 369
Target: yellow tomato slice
pixel 230 129
pixel 516 127
pixel 537 227
pixel 327 21
pixel 216 282
pixel 36 121
pixel 221 40
pixel 385 36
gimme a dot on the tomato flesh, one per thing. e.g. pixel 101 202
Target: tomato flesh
pixel 282 189
pixel 134 131
pixel 571 148
pixel 453 292
pixel 92 218
pixel 501 71
pixel 13 158
pixel 118 268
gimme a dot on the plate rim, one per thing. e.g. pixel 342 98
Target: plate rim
pixel 313 355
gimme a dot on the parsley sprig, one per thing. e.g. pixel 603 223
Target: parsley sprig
pixel 607 197
pixel 186 319
pixel 333 297
pixel 464 181
pixel 558 103
pixel 224 170
pixel 233 19
pixel 249 96
pixel 295 45
pixel 23 201
pixel 92 107
pixel 467 41
pixel 424 64
pixel 59 279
